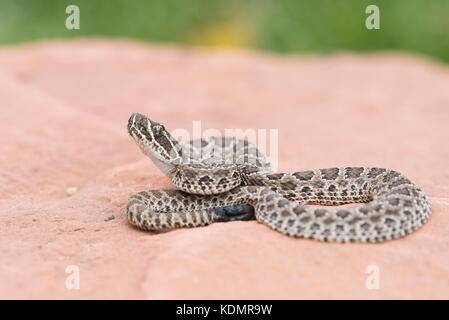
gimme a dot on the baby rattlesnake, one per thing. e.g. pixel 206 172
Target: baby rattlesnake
pixel 227 179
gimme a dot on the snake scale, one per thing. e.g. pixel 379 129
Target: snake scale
pixel 226 179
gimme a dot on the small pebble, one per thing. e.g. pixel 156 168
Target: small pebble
pixel 120 185
pixel 71 191
pixel 109 218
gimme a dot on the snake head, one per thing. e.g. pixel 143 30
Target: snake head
pixel 156 142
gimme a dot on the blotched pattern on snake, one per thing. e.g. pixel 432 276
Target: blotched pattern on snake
pixel 226 179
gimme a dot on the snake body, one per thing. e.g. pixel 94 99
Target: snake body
pixel 226 179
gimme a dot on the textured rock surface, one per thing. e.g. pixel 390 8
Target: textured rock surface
pixel 64 108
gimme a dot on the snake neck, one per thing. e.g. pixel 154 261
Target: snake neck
pixel 168 168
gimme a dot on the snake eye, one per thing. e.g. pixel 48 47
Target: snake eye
pixel 158 129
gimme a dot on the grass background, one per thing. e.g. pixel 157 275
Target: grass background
pixel 285 26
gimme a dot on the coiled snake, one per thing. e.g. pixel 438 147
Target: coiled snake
pixel 227 179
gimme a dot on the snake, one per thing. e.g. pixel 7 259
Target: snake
pixel 223 179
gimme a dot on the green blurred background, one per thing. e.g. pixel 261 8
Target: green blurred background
pixel 286 26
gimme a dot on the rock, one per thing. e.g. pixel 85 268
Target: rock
pixel 65 124
pixel 71 191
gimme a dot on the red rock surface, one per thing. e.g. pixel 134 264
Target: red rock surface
pixel 64 108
